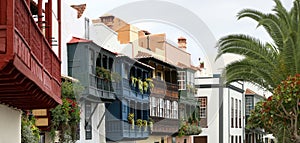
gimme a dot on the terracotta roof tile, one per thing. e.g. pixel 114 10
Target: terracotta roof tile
pixel 80 9
pixel 248 91
pixel 78 40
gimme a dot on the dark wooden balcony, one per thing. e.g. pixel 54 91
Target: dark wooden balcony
pixel 165 126
pixel 165 89
pixel 117 130
pixel 29 69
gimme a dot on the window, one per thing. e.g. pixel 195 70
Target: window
pixel 232 111
pixel 236 113
pixel 240 113
pixel 181 80
pixel 236 139
pixel 125 71
pixel 161 107
pixel 91 61
pixel 175 110
pixel 203 104
pixel 232 139
pixel 153 107
pixel 240 139
pixel 158 75
pixel 168 108
pixel 249 104
pixel 88 121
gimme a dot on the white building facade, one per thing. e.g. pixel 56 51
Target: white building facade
pixel 221 110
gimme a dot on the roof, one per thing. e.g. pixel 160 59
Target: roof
pixel 80 9
pixel 124 56
pixel 143 55
pixel 78 40
pixel 75 40
pixel 249 91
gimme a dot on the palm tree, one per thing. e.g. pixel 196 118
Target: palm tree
pixel 265 63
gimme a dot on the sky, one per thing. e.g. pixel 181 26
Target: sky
pixel 218 15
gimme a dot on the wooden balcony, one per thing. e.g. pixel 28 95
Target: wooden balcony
pixel 165 89
pixel 165 126
pixel 101 89
pixel 117 130
pixel 132 93
pixel 29 69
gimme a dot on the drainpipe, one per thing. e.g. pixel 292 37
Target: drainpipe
pixel 50 22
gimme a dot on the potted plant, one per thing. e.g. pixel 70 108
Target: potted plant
pixel 150 83
pixel 133 81
pixel 130 119
pixel 151 124
pixel 201 64
pixel 140 85
pixel 139 123
pixel 145 124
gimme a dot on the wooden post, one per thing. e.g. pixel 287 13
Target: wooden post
pixel 40 11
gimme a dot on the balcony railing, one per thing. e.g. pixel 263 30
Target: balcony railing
pixel 122 130
pixel 165 88
pixel 101 88
pixel 30 56
pixel 133 92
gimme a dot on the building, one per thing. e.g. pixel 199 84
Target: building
pixel 221 110
pixel 251 98
pixel 154 50
pixel 84 56
pixel 29 65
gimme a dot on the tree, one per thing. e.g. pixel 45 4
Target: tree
pixel 265 64
pixel 66 117
pixel 279 114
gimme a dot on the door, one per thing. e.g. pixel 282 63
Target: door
pixel 202 139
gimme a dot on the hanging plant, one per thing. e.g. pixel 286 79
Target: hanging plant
pixel 133 81
pixel 103 73
pixel 66 117
pixel 146 86
pixel 150 122
pixel 150 83
pixel 29 132
pixel 140 84
pixel 139 122
pixel 116 77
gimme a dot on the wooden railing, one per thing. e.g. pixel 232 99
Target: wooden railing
pixel 165 88
pixel 34 51
pixel 114 127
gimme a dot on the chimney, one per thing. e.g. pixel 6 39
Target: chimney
pixel 182 43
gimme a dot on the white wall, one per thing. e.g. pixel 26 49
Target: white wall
pixel 10 125
pixel 70 26
pixel 212 94
pixel 98 134
pixel 213 109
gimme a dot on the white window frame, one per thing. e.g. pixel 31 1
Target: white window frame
pixel 181 80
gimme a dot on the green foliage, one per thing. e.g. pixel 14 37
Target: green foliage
pixel 103 73
pixel 29 132
pixel 265 63
pixel 279 114
pixel 116 76
pixel 190 127
pixel 139 122
pixel 66 117
pixel 143 86
pixel 133 81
